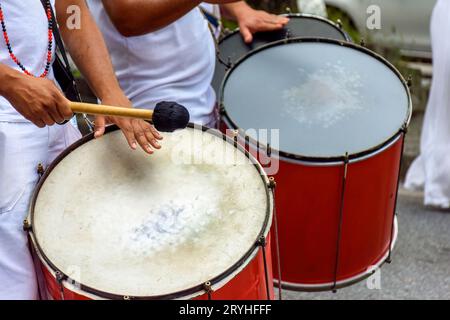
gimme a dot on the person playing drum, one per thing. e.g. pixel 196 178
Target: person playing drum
pixel 163 50
pixel 30 105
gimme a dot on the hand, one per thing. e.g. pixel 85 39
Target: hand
pixel 37 99
pixel 251 21
pixel 136 131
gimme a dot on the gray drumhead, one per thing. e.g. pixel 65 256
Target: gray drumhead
pixel 326 98
pixel 232 47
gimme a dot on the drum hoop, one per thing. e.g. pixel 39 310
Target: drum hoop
pixel 297 16
pixel 190 292
pixel 321 160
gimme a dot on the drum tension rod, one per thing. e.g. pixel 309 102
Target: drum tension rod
pixel 272 183
pixel 262 242
pixel 341 218
pixel 208 289
pixel 60 277
pixel 40 170
pixel 27 226
pixel 269 150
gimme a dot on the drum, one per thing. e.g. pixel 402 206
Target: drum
pixel 190 221
pixel 232 47
pixel 337 115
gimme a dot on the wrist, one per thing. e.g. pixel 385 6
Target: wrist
pixel 115 98
pixel 9 78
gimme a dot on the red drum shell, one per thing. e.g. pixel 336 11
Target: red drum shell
pixel 308 202
pixel 249 284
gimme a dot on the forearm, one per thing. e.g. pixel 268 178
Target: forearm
pixel 138 17
pixel 88 50
pixel 7 78
pixel 234 9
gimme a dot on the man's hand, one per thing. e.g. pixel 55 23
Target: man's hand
pixel 136 131
pixel 37 99
pixel 251 21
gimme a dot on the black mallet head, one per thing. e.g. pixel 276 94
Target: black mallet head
pixel 170 116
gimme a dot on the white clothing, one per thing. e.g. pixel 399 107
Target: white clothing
pixel 22 147
pixel 27 28
pixel 431 170
pixel 214 10
pixel 175 63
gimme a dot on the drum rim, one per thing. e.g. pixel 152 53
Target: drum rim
pixel 192 292
pixel 294 15
pixel 368 153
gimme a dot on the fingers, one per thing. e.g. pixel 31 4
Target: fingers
pixel 145 139
pixel 55 114
pixel 151 134
pixel 246 34
pixel 99 126
pixel 62 107
pixel 139 132
pixel 127 129
pixel 261 21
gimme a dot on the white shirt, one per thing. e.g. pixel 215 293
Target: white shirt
pixel 214 10
pixel 27 27
pixel 175 63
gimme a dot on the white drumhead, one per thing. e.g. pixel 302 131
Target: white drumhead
pixel 129 224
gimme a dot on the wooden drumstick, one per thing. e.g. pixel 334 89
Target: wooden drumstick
pixel 166 117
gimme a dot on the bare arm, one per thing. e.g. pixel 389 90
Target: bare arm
pixel 88 50
pixel 138 17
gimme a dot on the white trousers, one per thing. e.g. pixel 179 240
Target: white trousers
pixel 431 170
pixel 22 147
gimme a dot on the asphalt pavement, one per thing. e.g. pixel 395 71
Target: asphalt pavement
pixel 420 267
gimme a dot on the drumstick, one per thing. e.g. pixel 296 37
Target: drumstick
pixel 166 117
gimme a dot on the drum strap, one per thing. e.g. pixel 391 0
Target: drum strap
pixel 62 70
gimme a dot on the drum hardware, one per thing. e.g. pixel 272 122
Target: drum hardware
pixel 269 151
pixel 288 10
pixel 235 137
pixel 341 218
pixel 228 64
pixel 26 225
pixel 288 34
pixel 60 278
pixel 40 170
pixel 262 242
pixel 126 298
pixel 409 81
pixel 90 124
pixel 339 23
pixel 272 186
pixel 404 130
pixel 362 42
pixel 208 289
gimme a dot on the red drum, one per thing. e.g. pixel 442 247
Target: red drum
pixel 334 116
pixel 190 222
